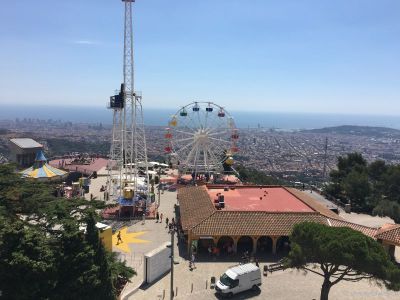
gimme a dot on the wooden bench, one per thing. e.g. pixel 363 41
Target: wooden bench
pixel 274 267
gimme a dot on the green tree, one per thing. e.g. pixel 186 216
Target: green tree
pixel 376 170
pixel 77 276
pixel 357 188
pixel 351 161
pixel 340 253
pixel 391 183
pixel 27 262
pixel 106 288
pixel 253 176
pixel 388 208
pixel 47 255
pixel 92 233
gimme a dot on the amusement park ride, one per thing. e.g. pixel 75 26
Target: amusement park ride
pixel 128 144
pixel 201 140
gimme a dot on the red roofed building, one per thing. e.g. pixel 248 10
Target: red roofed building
pixel 258 219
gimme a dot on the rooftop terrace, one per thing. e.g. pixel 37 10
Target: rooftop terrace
pixel 267 199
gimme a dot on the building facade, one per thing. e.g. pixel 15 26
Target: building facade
pixel 23 151
pixel 256 219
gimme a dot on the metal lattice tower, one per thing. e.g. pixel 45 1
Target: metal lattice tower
pixel 117 144
pixel 128 147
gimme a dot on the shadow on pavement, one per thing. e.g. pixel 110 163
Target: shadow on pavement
pixel 146 285
pixel 243 295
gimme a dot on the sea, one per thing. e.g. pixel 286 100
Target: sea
pixel 160 117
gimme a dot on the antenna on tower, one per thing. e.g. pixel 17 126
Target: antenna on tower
pixel 325 158
pixel 128 143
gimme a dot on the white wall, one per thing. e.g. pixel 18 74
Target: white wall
pixel 157 262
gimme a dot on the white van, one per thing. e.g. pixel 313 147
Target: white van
pixel 239 278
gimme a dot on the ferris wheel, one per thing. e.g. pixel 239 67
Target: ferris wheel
pixel 201 138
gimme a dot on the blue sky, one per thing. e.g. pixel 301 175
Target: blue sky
pixel 288 56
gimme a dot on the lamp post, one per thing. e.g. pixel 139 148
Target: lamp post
pixel 159 186
pixel 172 265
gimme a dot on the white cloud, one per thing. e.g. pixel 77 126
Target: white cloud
pixel 85 42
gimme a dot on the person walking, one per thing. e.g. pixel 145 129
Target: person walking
pixel 161 215
pixel 166 222
pixel 157 217
pixel 119 238
pixel 170 228
pixel 192 261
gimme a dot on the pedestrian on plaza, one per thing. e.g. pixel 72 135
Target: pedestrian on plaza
pixel 166 222
pixel 161 215
pixel 192 261
pixel 256 261
pixel 119 238
pixel 157 217
pixel 245 257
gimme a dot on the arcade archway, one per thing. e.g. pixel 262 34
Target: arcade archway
pixel 245 243
pixel 264 245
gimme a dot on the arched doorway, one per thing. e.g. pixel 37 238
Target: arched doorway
pixel 225 245
pixel 283 245
pixel 264 245
pixel 203 244
pixel 245 243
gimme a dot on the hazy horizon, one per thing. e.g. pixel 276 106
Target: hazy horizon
pixel 160 117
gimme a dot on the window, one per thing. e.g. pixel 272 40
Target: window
pixel 226 280
pixel 235 283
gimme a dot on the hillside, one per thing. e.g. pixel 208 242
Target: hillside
pixel 358 130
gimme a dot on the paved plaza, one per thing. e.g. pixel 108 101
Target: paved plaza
pixel 288 284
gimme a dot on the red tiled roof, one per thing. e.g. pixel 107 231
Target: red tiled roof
pixel 199 215
pixel 390 234
pixel 253 223
pixel 311 202
pixel 369 231
pixel 66 164
pixel 195 205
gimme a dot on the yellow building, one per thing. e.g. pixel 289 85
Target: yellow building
pixel 105 234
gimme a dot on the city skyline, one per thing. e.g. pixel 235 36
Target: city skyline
pixel 290 57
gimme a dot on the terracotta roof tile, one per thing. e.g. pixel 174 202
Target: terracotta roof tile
pixel 195 205
pixel 311 202
pixel 253 223
pixel 391 234
pixel 369 231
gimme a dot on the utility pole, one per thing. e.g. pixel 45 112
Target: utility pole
pixel 172 265
pixel 159 186
pixel 325 158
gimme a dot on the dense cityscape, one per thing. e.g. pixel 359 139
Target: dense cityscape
pixel 293 155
